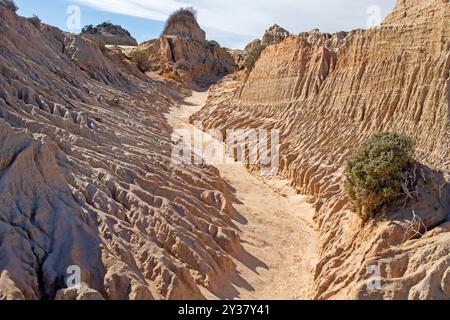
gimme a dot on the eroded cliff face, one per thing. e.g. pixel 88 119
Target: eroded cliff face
pixel 327 97
pixel 86 178
pixel 272 82
pixel 195 64
pixel 183 53
pixel 275 34
pixel 184 24
pixel 330 41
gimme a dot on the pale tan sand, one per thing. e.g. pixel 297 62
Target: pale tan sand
pixel 109 46
pixel 276 230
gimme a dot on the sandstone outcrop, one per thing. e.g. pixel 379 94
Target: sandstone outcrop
pixel 183 23
pixel 275 34
pixel 309 66
pixel 327 94
pixel 110 34
pixel 252 46
pixel 246 58
pixel 86 178
pixel 183 53
pixel 330 41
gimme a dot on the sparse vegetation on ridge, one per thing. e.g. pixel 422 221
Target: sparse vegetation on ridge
pixel 172 76
pixel 110 34
pixel 213 43
pixel 9 4
pixel 107 25
pixel 36 21
pixel 377 171
pixel 87 28
pixel 142 59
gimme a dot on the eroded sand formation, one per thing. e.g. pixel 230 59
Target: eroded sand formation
pixel 183 53
pixel 327 94
pixel 86 177
pixel 278 236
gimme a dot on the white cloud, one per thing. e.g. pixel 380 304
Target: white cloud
pixel 235 22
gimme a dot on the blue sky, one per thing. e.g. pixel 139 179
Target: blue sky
pixel 54 12
pixel 233 23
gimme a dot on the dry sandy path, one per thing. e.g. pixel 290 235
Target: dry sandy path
pixel 278 233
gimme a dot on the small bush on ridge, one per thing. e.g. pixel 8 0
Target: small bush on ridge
pixel 35 21
pixel 377 171
pixel 9 4
pixel 142 59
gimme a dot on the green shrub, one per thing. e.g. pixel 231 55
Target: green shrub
pixel 213 43
pixel 377 172
pixel 142 59
pixel 35 21
pixel 115 27
pixel 252 57
pixel 173 75
pixel 87 28
pixel 9 4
